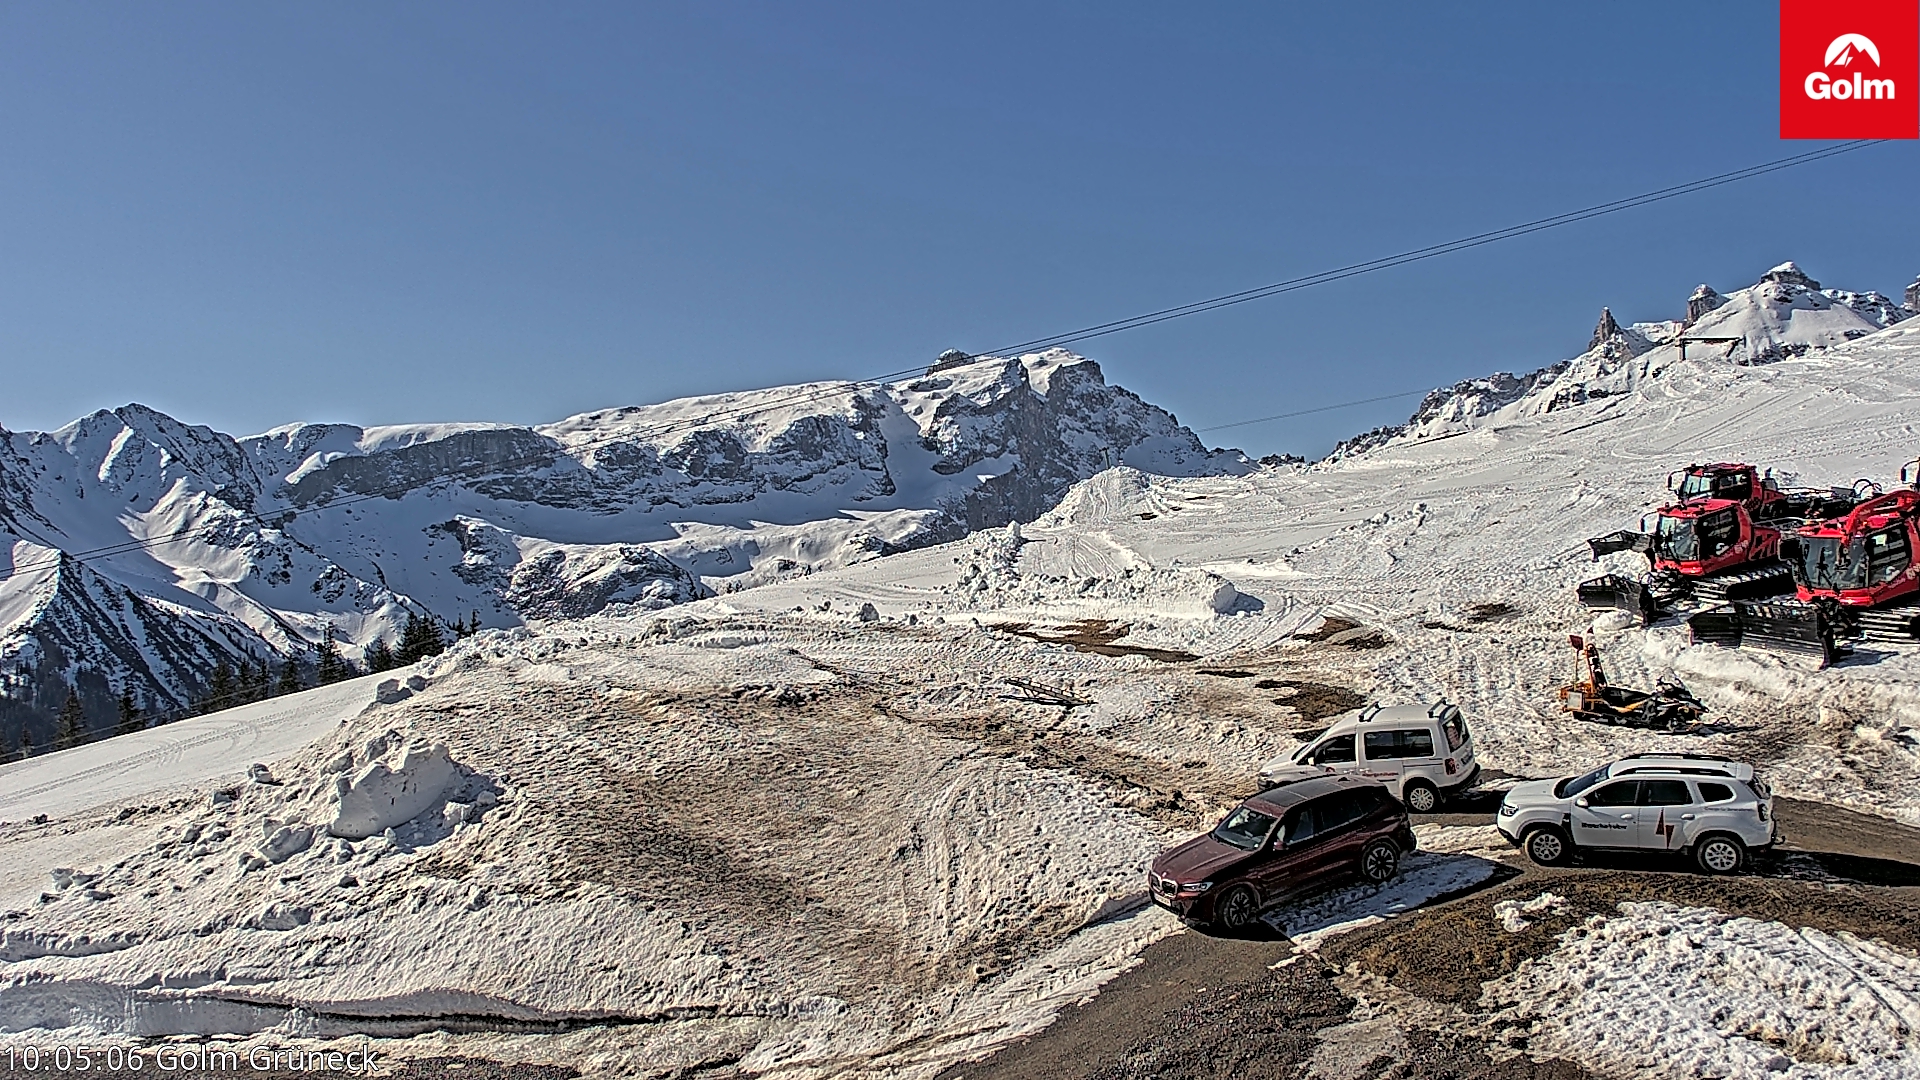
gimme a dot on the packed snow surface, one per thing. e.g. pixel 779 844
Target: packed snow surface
pixel 1667 991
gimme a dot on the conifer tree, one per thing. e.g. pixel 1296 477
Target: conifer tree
pixel 289 681
pixel 130 718
pixel 26 742
pixel 379 656
pixel 419 640
pixel 258 681
pixel 329 667
pixel 220 688
pixel 71 728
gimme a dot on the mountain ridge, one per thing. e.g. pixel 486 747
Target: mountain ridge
pixel 253 548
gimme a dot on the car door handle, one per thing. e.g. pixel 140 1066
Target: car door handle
pixel 1688 817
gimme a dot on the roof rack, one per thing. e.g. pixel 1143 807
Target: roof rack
pixel 1683 770
pixel 1682 757
pixel 1367 714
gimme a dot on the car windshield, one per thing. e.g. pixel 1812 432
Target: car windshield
pixel 1569 788
pixel 1245 829
pixel 1676 540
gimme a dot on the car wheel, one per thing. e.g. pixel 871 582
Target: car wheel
pixel 1237 911
pixel 1380 861
pixel 1720 854
pixel 1421 798
pixel 1548 846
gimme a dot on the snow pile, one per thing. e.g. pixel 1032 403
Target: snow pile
pixel 388 793
pixel 826 846
pixel 1513 913
pixel 1688 992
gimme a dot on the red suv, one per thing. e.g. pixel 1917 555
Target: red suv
pixel 1278 844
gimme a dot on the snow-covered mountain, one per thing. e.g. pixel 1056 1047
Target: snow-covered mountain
pixel 217 547
pixel 1786 313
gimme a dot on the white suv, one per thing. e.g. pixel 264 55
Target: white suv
pixel 1420 752
pixel 1713 808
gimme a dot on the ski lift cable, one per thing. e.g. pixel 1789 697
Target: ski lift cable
pixel 836 388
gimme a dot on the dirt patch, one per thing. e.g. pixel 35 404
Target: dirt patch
pixel 1495 612
pixel 1229 674
pixel 1446 953
pixel 1201 1007
pixel 1313 701
pixel 1097 636
pixel 1329 626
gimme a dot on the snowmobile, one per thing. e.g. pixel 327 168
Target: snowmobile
pixel 1670 707
pixel 1854 577
pixel 1719 541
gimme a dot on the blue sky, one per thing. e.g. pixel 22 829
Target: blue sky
pixel 246 215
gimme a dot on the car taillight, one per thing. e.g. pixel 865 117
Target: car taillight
pixel 1452 766
pixel 1763 811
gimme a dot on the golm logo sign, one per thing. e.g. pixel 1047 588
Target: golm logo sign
pixel 1850 71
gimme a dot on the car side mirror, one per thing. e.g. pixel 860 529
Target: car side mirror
pixel 1581 802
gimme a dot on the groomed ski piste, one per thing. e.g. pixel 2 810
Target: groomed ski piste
pixel 876 821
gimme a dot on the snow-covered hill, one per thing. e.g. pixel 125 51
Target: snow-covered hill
pixel 228 548
pixel 876 820
pixel 1786 313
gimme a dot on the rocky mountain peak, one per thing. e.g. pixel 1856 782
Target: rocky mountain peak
pixel 1704 300
pixel 1913 296
pixel 1605 331
pixel 1789 273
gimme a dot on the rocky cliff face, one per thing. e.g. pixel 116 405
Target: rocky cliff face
pixel 1786 313
pixel 198 546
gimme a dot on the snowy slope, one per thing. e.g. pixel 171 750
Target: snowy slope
pixel 871 821
pixel 253 547
pixel 1786 313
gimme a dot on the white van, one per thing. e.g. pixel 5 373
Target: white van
pixel 1421 753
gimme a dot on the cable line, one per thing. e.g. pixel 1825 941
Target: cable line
pixel 1083 334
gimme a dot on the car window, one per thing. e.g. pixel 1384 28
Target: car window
pixel 1382 745
pixel 1416 744
pixel 1338 810
pixel 1455 730
pixel 1567 789
pixel 1300 826
pixel 1715 792
pixel 1620 794
pixel 1334 751
pixel 1244 828
pixel 1664 793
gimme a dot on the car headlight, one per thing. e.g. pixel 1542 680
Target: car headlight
pixel 1196 886
pixel 1508 809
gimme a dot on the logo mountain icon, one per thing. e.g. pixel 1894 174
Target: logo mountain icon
pixel 1843 47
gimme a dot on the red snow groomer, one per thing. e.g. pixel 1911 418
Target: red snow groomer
pixel 1854 577
pixel 1718 541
